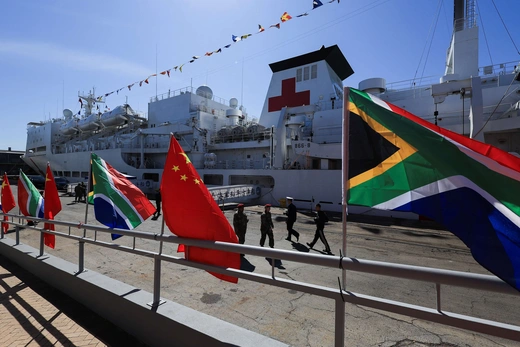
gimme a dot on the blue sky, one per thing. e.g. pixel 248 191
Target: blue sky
pixel 51 50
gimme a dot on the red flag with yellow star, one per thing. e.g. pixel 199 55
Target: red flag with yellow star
pixel 51 207
pixel 190 211
pixel 7 200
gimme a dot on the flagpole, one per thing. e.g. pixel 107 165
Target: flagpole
pixel 344 172
pixel 86 198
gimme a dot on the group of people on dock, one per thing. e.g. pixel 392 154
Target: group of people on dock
pixel 240 221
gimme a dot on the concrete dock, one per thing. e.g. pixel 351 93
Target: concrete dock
pixel 300 319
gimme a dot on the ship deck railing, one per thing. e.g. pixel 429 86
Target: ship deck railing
pixel 184 90
pixel 485 72
pixel 440 278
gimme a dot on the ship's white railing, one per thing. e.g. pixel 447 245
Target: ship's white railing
pixel 181 91
pixel 437 277
pixel 424 82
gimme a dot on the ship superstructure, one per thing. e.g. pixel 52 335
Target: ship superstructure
pixel 294 148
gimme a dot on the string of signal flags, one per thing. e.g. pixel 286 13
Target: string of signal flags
pixel 234 38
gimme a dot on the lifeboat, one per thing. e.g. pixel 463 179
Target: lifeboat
pixel 89 123
pixel 69 127
pixel 118 116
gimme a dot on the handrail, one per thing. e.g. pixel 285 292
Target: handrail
pixel 418 273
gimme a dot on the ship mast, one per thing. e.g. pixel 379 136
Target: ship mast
pixel 90 100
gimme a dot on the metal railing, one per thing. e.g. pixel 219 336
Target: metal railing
pixel 438 277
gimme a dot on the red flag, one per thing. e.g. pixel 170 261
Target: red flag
pixel 7 200
pixel 51 207
pixel 190 211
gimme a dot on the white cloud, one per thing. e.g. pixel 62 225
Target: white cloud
pixel 80 60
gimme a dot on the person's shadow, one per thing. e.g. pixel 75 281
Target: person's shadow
pixel 277 263
pixel 246 265
pixel 299 247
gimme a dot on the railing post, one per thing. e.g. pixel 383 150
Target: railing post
pixel 17 231
pixel 339 331
pixel 438 290
pixel 156 283
pixel 41 243
pixel 81 260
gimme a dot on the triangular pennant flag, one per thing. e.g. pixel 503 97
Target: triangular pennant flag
pixel 226 46
pixel 243 37
pixel 208 53
pixel 316 4
pixel 235 38
pixel 130 86
pixel 168 72
pixel 146 81
pixel 80 101
pixel 303 14
pixel 175 68
pixel 196 57
pixel 191 61
pixel 180 67
pixel 277 25
pixel 285 17
pixel 140 83
pixel 163 72
pixel 260 28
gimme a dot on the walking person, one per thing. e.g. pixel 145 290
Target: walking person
pixel 291 218
pixel 158 200
pixel 320 221
pixel 77 193
pixel 240 223
pixel 266 226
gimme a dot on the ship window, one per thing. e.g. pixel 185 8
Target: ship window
pixel 306 73
pixel 55 173
pixel 298 75
pixel 75 173
pixel 151 176
pixel 314 71
pixel 66 173
pixel 84 174
pixel 214 180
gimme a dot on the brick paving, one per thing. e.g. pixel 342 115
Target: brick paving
pixel 35 314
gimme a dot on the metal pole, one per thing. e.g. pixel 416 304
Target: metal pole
pixel 81 265
pixel 88 193
pixel 344 181
pixel 157 281
pixel 17 230
pixel 339 330
pixel 41 243
pixel 438 290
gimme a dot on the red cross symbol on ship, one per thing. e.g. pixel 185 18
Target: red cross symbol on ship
pixel 289 97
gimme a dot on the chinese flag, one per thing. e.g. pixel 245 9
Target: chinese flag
pixel 51 207
pixel 7 200
pixel 190 211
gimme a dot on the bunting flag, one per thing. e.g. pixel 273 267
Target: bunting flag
pixel 81 102
pixel 285 17
pixel 469 187
pixel 30 201
pixel 117 202
pixel 52 207
pixel 191 212
pixel 7 200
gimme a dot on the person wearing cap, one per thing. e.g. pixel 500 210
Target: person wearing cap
pixel 158 200
pixel 320 220
pixel 266 226
pixel 291 218
pixel 240 223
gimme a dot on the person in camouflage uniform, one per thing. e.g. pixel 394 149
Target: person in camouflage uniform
pixel 240 223
pixel 266 226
